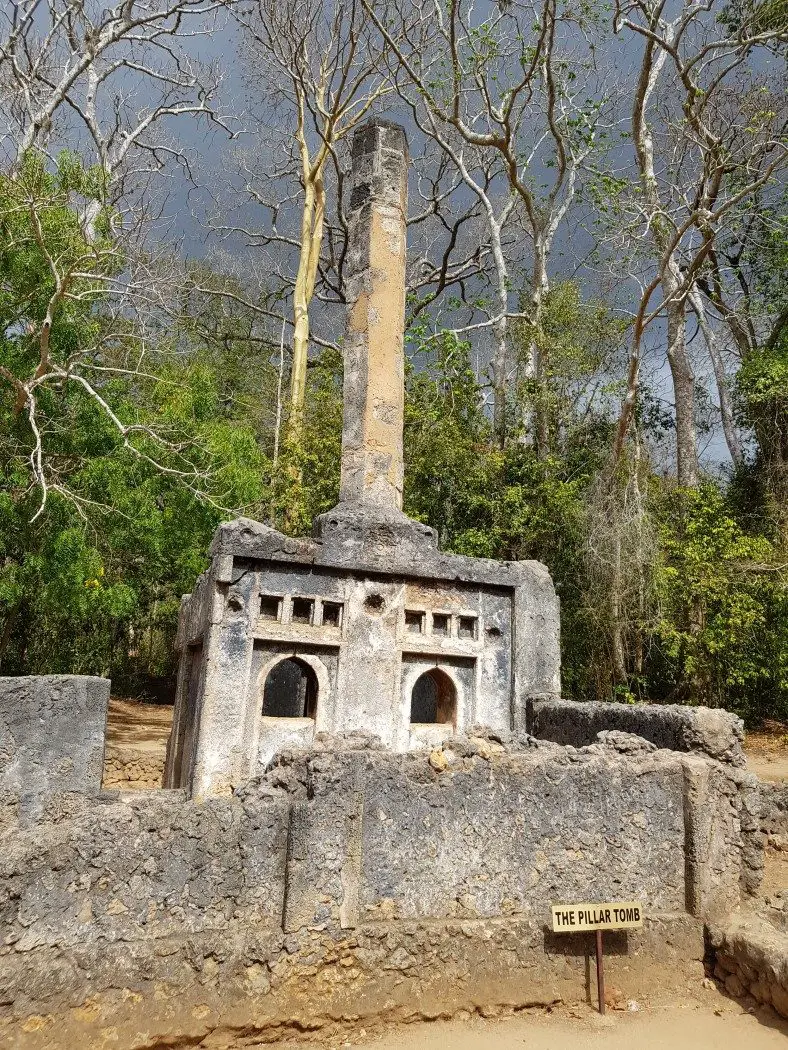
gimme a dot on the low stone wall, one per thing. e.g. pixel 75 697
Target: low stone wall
pixel 51 739
pixel 751 958
pixel 702 730
pixel 774 814
pixel 127 769
pixel 350 882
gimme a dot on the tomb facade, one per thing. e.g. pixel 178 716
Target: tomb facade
pixel 366 626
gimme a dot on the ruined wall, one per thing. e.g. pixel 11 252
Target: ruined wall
pixel 774 813
pixel 707 731
pixel 349 881
pixel 129 769
pixel 750 957
pixel 346 882
pixel 51 738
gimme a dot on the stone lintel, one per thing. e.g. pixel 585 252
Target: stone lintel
pixel 247 539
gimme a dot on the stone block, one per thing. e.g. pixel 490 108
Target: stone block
pixel 51 737
pixel 715 733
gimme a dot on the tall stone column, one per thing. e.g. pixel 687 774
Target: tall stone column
pixel 372 465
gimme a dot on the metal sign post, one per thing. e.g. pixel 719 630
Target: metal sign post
pixel 615 915
pixel 600 972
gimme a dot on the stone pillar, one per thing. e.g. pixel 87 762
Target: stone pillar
pixel 375 287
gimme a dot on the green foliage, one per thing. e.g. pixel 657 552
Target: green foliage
pixel 40 228
pixel 305 481
pixel 750 17
pixel 713 628
pixel 93 584
pixel 493 502
pixel 722 636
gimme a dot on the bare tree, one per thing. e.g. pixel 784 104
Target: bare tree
pixel 699 156
pixel 727 416
pixel 105 82
pixel 510 82
pixel 323 80
pixel 324 75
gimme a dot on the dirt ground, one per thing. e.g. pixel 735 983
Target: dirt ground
pixel 696 1027
pixel 767 751
pixel 136 744
pixel 139 727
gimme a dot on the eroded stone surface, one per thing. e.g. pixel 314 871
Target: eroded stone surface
pixel 751 957
pixel 347 880
pixel 716 733
pixel 774 813
pixel 51 737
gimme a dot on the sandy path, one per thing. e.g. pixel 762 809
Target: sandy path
pixel 138 727
pixel 696 1028
pixel 772 766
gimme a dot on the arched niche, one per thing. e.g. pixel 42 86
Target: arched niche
pixel 433 699
pixel 290 690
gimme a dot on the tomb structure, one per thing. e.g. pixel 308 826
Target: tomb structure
pixel 366 626
pixel 358 876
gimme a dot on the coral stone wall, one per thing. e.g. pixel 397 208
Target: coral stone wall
pixel 707 731
pixel 751 958
pixel 349 881
pixel 51 739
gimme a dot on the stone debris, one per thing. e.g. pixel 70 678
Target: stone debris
pixel 625 743
pixel 702 730
pixel 751 958
pixel 438 761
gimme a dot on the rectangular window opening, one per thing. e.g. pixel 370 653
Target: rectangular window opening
pixel 440 623
pixel 414 621
pixel 332 614
pixel 303 609
pixel 270 606
pixel 467 627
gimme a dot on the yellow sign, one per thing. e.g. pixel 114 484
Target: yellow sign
pixel 617 915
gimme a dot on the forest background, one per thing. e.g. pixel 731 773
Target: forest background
pixel 597 331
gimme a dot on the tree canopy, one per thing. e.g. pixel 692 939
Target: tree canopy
pixel 596 298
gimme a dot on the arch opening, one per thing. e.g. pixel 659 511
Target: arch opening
pixel 290 690
pixel 433 699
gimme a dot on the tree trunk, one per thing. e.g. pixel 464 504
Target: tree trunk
pixel 539 291
pixel 499 383
pixel 309 256
pixel 726 408
pixel 684 395
pixel 616 625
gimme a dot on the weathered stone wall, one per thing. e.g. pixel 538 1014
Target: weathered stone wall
pixel 345 882
pixel 126 768
pixel 348 880
pixel 51 738
pixel 774 813
pixel 219 739
pixel 750 957
pixel 707 731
